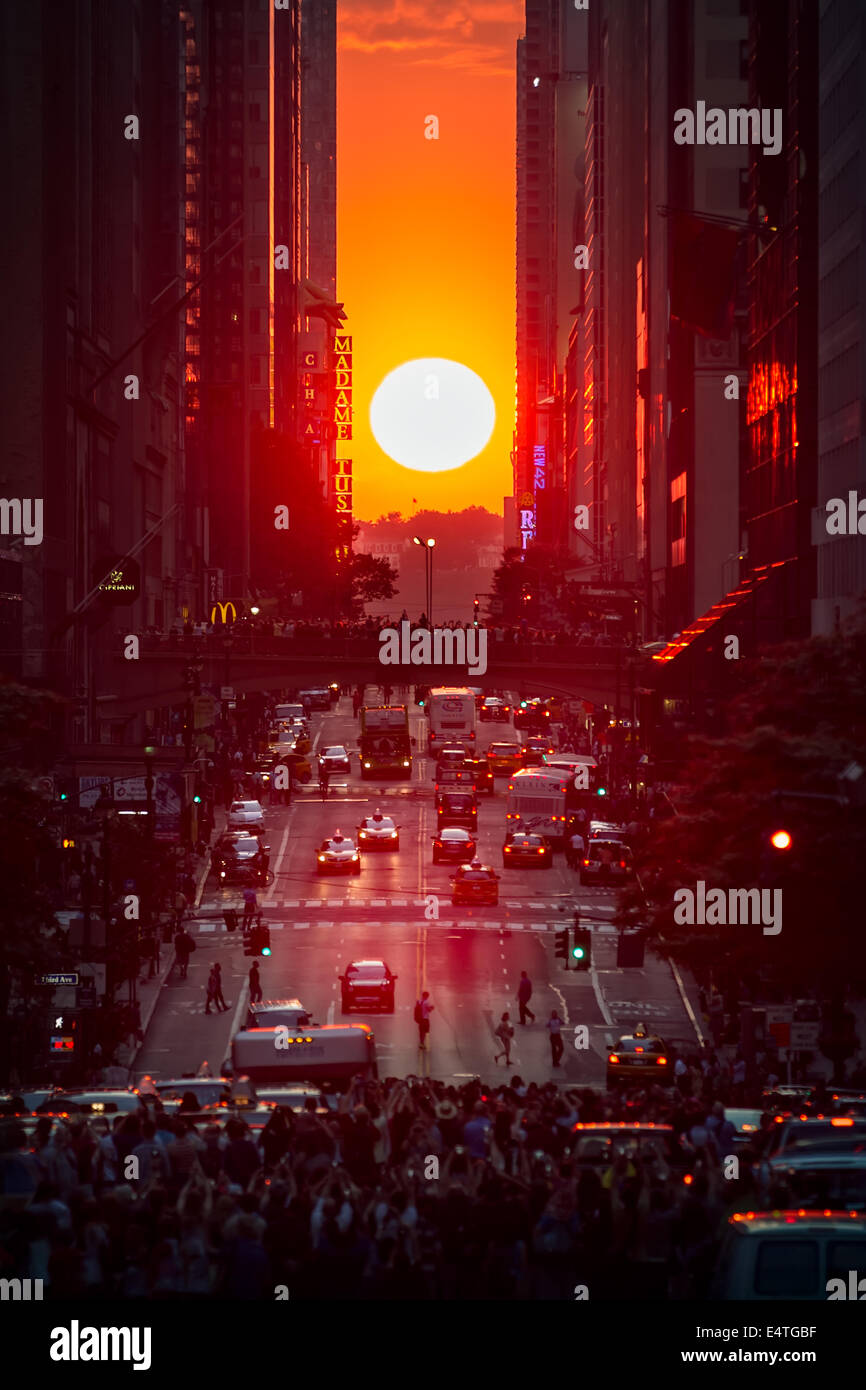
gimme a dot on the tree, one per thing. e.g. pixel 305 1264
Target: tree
pixel 798 720
pixel 371 577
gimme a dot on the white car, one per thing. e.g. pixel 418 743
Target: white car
pixel 246 815
pixel 378 832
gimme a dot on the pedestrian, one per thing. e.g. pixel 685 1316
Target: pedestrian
pixel 251 904
pixel 255 984
pixel 218 987
pixel 505 1032
pixel 183 946
pixel 524 994
pixel 180 907
pixel 210 990
pixel 576 849
pixel 153 951
pixel 423 1010
pixel 557 1046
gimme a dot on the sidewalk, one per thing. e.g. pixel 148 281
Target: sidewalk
pixel 149 988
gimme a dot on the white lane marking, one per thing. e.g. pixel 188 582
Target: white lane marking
pixel 332 1007
pixel 243 995
pixel 301 926
pixel 378 902
pixel 599 996
pixel 269 896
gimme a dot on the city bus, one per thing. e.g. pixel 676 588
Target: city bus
pixel 451 710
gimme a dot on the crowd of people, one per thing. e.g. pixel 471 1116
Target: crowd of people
pixel 279 631
pixel 402 1189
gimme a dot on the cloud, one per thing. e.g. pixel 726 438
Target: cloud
pixel 475 35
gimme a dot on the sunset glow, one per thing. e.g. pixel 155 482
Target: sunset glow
pixel 426 226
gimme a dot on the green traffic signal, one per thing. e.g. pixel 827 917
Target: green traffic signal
pixel 578 952
pixel 197 799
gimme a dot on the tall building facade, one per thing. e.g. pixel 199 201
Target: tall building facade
pixel 92 416
pixel 247 158
pixel 841 560
pixel 551 100
pixel 779 486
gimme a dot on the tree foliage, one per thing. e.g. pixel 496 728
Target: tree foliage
pixel 797 722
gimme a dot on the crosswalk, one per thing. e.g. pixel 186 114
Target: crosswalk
pixel 510 904
pixel 443 924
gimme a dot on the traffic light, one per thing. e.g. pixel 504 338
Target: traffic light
pixel 475 606
pixel 581 951
pixel 561 949
pixel 67 843
pixel 601 791
pixel 197 799
pixel 258 941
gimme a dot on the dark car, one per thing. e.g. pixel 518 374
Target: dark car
pixel 457 808
pixel 493 708
pixel 475 883
pixel 453 843
pixel 367 983
pixel 607 861
pixel 335 759
pixel 239 860
pixel 481 774
pixel 527 847
pixel 638 1057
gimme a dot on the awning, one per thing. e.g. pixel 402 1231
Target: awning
pixel 733 600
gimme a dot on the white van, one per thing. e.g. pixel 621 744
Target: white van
pixel 316 1052
pixel 289 712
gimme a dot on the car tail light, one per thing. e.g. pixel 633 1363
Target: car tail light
pixel 622 863
pixel 541 851
pixel 661 1061
pixel 841 1124
pixel 507 849
pixel 613 1058
pixel 586 863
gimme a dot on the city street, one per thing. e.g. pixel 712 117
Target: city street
pixel 399 908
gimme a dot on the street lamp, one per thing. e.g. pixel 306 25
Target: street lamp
pixel 428 545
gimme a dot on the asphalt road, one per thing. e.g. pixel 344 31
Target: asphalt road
pixel 399 908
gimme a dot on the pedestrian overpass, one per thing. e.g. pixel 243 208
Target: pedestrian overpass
pixel 161 675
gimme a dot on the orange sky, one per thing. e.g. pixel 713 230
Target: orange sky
pixel 425 228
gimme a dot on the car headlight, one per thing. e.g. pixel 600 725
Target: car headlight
pixel 405 762
pixel 355 855
pixel 367 764
pixel 363 834
pixel 321 858
pixel 393 834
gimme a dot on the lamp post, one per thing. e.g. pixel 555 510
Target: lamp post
pixel 428 545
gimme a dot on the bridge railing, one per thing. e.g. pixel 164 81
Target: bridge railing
pixel 347 649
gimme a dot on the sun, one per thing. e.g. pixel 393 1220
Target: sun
pixel 432 414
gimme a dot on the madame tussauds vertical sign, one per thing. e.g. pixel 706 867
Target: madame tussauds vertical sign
pixel 341 467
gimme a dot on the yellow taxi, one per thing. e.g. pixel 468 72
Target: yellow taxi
pixel 639 1057
pixel 503 759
